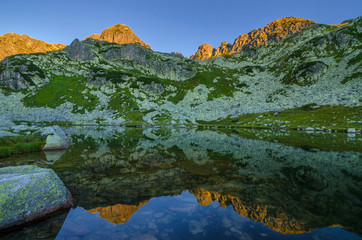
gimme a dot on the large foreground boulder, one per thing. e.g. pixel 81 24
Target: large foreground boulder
pixel 28 193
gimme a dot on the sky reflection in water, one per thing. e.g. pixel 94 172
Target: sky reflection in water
pixel 129 183
pixel 181 217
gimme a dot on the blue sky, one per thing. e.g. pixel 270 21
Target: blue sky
pixel 167 26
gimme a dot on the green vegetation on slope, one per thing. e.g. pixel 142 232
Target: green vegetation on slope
pixel 327 117
pixel 62 89
pixel 20 144
pixel 310 142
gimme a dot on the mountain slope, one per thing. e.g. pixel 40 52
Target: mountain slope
pixel 13 43
pixel 92 81
pixel 120 34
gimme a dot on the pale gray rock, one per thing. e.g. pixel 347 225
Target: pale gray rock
pixel 6 134
pixel 154 88
pixel 56 139
pixel 351 130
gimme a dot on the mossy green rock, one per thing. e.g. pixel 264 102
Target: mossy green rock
pixel 28 193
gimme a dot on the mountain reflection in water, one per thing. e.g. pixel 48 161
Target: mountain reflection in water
pixel 246 184
pixel 178 217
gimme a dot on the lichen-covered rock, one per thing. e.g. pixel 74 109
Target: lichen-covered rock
pixel 28 193
pixel 56 139
pixel 20 73
pixel 154 88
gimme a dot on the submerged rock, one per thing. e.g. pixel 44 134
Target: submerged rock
pixel 28 193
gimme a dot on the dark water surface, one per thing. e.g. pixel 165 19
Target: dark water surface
pixel 156 183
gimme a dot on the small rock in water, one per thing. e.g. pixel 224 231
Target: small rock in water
pixel 351 130
pixel 56 140
pixel 309 129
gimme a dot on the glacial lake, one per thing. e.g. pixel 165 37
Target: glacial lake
pixel 178 183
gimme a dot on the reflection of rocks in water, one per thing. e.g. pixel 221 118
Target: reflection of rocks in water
pixel 118 213
pixel 291 189
pixel 91 190
pixel 269 215
pixel 45 229
pixel 53 156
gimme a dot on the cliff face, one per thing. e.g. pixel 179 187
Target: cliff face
pixel 273 32
pixel 120 34
pixel 13 43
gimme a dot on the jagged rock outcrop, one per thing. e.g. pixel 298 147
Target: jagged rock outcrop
pixel 154 88
pixel 145 60
pixel 79 51
pixel 15 73
pixel 273 32
pixel 204 52
pixel 223 49
pixel 13 43
pixel 120 34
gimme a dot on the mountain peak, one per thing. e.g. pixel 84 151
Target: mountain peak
pixel 204 52
pixel 272 32
pixel 119 33
pixel 13 43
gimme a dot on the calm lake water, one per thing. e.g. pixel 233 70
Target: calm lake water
pixel 159 183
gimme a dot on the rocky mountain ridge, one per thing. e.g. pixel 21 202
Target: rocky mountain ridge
pixel 13 43
pixel 93 81
pixel 273 32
